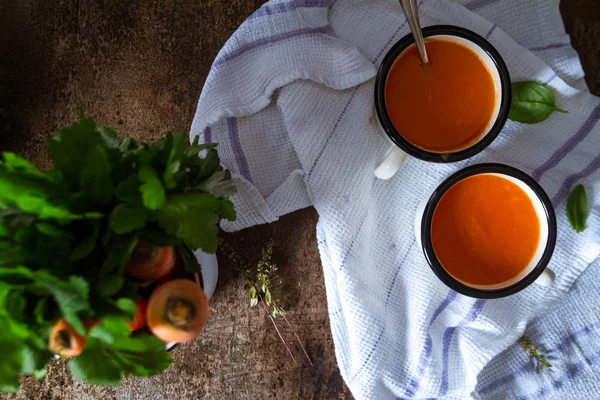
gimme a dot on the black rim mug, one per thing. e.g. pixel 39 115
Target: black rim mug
pixel 536 271
pixel 400 147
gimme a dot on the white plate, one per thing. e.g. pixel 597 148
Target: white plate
pixel 210 271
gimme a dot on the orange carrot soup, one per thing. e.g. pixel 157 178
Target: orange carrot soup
pixel 485 230
pixel 445 105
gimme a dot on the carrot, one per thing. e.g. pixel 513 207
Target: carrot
pixel 149 263
pixel 65 341
pixel 177 311
pixel 140 317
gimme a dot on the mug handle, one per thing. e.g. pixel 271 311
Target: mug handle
pixel 546 278
pixel 390 163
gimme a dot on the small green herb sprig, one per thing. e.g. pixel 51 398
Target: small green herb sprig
pixel 259 284
pixel 538 359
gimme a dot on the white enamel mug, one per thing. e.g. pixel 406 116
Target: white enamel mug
pixel 400 147
pixel 536 271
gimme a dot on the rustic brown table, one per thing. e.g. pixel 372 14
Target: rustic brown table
pixel 140 66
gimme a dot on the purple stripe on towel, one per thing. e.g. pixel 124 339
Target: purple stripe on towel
pixel 527 367
pixel 227 57
pixel 207 135
pixel 238 151
pixel 574 179
pixel 586 330
pixel 506 379
pixel 401 264
pixel 389 42
pixel 553 77
pixel 475 4
pixel 569 144
pixel 353 241
pixel 381 52
pixel 551 46
pixel 492 29
pixel 571 371
pixel 368 357
pixel 337 122
pixel 447 341
pixel 415 382
pixel 280 8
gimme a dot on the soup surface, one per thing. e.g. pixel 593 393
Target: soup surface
pixel 445 105
pixel 485 230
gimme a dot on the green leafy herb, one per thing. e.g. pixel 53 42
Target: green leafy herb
pixel 95 176
pixel 109 285
pixel 71 296
pixel 538 359
pixel 577 211
pixel 152 189
pixel 532 102
pixel 127 217
pixel 119 355
pixel 190 262
pixel 67 234
pixel 88 244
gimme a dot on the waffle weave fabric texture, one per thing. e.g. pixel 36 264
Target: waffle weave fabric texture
pixel 289 99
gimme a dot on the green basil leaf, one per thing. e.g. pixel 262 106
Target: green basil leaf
pixel 532 102
pixel 153 192
pixel 577 211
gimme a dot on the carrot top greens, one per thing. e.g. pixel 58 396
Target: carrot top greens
pixel 67 234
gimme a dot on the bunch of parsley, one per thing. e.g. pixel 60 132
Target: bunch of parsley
pixel 66 235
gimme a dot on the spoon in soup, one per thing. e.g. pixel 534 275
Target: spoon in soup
pixel 412 16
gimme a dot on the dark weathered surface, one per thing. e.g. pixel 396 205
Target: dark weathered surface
pixel 582 21
pixel 139 66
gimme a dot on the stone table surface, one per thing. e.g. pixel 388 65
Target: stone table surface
pixel 139 66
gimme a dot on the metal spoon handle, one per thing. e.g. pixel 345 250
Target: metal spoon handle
pixel 412 16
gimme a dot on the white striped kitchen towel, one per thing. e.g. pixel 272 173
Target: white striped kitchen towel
pixel 290 100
